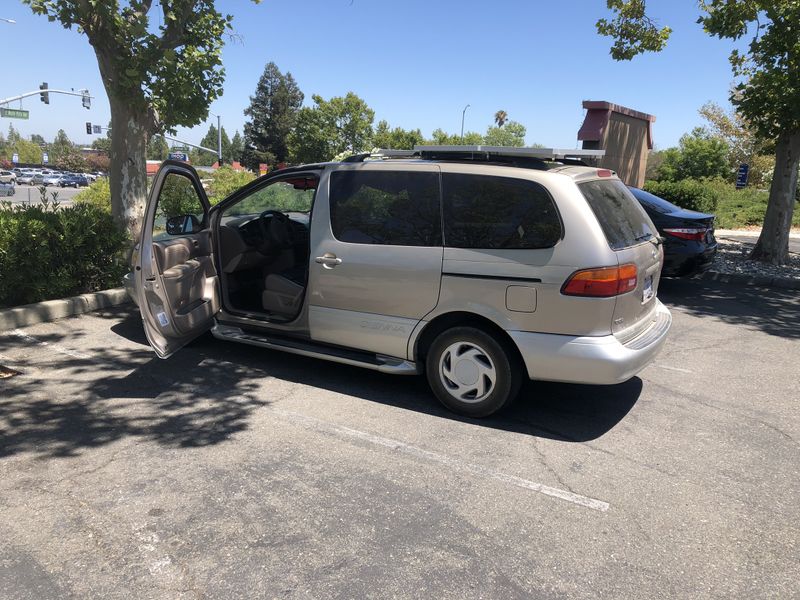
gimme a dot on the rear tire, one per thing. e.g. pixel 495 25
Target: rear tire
pixel 471 372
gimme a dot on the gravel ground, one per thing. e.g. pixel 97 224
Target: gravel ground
pixel 732 258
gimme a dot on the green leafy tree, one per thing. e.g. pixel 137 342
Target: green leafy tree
pixel 204 158
pixel 37 139
pixel 766 92
pixel 699 156
pixel 273 111
pixel 512 134
pixel 61 147
pixel 744 146
pixel 341 124
pixel 157 148
pixel 440 137
pixel 157 77
pixel 29 152
pixel 396 138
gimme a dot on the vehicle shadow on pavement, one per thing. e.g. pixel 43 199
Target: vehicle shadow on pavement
pixel 99 396
pixel 565 412
pixel 771 310
pixel 208 392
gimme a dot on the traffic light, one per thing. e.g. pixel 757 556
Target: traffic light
pixel 45 95
pixel 88 128
pixel 87 99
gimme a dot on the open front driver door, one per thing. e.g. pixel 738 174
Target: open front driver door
pixel 176 283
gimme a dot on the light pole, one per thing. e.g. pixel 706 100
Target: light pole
pixel 219 139
pixel 12 21
pixel 463 112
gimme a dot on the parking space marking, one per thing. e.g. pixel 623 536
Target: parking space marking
pixel 449 461
pixel 668 368
pixel 55 347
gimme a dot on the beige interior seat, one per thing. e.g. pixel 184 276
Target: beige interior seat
pixel 282 296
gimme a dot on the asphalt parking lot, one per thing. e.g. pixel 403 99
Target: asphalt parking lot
pixel 31 193
pixel 234 472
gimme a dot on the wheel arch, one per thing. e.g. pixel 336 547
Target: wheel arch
pixel 448 320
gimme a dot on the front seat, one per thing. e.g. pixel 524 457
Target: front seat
pixel 282 296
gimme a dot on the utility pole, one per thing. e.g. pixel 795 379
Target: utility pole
pixel 219 139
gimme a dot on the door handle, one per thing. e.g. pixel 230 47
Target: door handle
pixel 328 260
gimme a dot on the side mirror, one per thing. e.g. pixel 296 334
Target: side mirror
pixel 183 224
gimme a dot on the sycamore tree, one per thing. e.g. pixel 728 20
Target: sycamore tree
pixel 156 77
pixel 766 91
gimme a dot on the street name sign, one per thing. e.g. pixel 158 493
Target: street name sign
pixel 14 113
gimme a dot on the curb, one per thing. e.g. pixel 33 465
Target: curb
pixel 754 280
pixel 50 310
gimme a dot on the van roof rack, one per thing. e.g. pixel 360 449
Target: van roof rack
pixel 532 158
pixel 491 151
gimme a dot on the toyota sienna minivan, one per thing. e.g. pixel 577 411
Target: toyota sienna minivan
pixel 477 266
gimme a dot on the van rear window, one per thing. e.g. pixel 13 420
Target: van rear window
pixel 622 219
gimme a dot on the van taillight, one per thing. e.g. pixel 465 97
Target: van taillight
pixel 601 283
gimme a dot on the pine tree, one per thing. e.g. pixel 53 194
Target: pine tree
pixel 272 111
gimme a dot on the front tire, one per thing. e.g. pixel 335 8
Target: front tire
pixel 471 372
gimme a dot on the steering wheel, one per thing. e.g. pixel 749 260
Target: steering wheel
pixel 276 230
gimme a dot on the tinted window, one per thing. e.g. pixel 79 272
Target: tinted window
pixel 386 207
pixel 498 212
pixel 654 203
pixel 624 222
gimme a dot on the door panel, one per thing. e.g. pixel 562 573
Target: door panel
pixel 175 277
pixel 366 295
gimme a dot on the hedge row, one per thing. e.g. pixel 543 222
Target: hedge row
pixel 48 251
pixel 733 208
pixel 687 193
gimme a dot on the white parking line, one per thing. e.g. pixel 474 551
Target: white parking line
pixel 55 347
pixel 678 369
pixel 454 463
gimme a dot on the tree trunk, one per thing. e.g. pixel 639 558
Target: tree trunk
pixel 128 167
pixel 773 243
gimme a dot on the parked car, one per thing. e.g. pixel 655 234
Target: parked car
pixel 689 242
pixel 72 180
pixel 26 178
pixel 7 189
pixel 52 179
pixel 476 266
pixel 8 177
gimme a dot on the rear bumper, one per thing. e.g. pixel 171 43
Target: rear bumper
pixel 602 360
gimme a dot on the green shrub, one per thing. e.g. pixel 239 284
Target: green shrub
pixel 733 208
pixel 225 181
pixel 48 251
pixel 687 193
pixel 97 194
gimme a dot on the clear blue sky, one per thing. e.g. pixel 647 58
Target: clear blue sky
pixel 417 63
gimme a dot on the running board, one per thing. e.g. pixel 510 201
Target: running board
pixel 376 362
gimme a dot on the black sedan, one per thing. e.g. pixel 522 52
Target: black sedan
pixel 689 243
pixel 72 180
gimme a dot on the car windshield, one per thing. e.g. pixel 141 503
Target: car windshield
pixel 623 220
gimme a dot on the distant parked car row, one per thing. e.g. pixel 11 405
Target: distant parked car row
pixel 47 177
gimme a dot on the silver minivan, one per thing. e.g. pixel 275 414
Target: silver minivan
pixel 478 266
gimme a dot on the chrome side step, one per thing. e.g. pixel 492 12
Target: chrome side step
pixel 376 362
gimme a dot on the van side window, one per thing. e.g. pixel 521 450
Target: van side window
pixel 386 207
pixel 498 212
